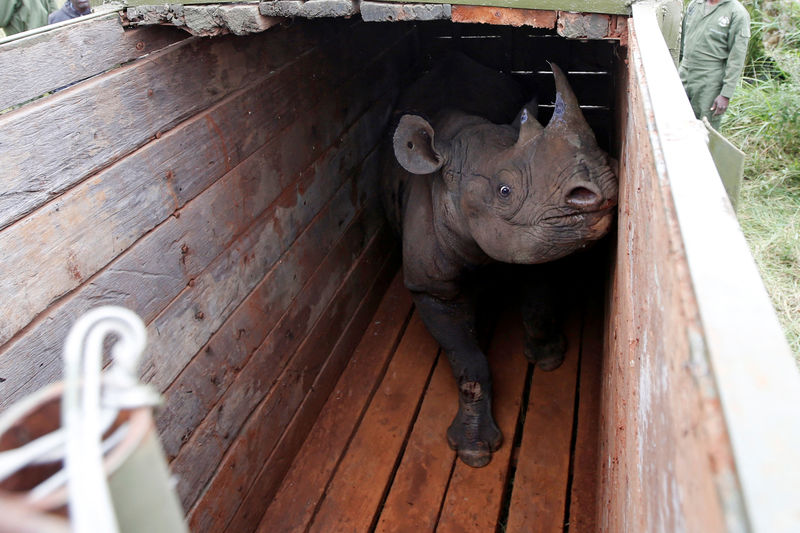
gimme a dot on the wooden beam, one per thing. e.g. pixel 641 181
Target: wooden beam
pixel 505 16
pixel 238 470
pixel 73 53
pixel 363 474
pixel 272 473
pixel 540 484
pixel 205 21
pixel 619 7
pixel 611 7
pixel 303 487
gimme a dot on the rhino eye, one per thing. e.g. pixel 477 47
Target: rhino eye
pixel 504 191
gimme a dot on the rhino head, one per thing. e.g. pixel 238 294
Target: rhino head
pixel 523 192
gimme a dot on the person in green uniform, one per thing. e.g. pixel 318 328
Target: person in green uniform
pixel 713 50
pixel 21 15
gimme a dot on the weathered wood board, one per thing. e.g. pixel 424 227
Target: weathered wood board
pixel 368 466
pixel 246 234
pixel 226 136
pixel 53 60
pixel 292 507
pixel 700 395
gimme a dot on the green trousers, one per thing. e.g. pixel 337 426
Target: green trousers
pixel 702 88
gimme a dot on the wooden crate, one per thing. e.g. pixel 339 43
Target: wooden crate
pixel 225 190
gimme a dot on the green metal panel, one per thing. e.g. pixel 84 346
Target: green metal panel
pixel 618 7
pixel 729 161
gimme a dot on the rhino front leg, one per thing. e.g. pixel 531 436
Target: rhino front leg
pixel 542 318
pixel 473 432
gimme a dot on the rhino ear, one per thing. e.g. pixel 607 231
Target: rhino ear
pixel 529 127
pixel 566 108
pixel 413 145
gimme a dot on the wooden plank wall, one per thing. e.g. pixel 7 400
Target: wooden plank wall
pixel 665 456
pixel 223 189
pixel 701 395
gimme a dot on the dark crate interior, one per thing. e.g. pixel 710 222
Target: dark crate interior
pixel 225 189
pixel 377 459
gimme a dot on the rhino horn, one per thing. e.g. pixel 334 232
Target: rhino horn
pixel 566 109
pixel 529 128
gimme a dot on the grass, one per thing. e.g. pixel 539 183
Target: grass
pixel 764 121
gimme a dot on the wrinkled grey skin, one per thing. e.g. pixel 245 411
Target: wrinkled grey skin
pixel 464 191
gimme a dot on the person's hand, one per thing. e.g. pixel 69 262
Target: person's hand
pixel 81 6
pixel 720 105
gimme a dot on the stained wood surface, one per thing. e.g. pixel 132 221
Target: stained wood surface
pixel 97 122
pixel 414 501
pixel 293 507
pixel 230 132
pixel 251 380
pixel 585 465
pixel 115 208
pixel 357 486
pixel 55 59
pixel 302 489
pixel 398 474
pixel 266 483
pixel 540 482
pixel 276 402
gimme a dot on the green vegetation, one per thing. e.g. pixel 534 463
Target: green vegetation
pixel 764 120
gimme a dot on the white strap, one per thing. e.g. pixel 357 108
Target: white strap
pixel 90 404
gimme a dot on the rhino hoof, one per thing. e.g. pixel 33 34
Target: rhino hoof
pixel 476 452
pixel 546 354
pixel 475 458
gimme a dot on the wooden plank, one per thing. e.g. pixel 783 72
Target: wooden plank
pixel 71 238
pixel 303 486
pixel 74 53
pixel 88 126
pixel 593 6
pixel 206 379
pixel 254 443
pixel 505 16
pixel 148 256
pixel 251 379
pixel 713 393
pixel 199 459
pixel 474 497
pixel 352 498
pixel 621 7
pixel 419 487
pixel 222 287
pixel 272 296
pixel 239 19
pixel 584 496
pixel 540 484
pixel 265 486
pixel 116 207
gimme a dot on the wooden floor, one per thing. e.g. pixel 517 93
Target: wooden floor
pixel 377 458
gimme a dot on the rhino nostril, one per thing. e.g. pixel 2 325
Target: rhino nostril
pixel 583 197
